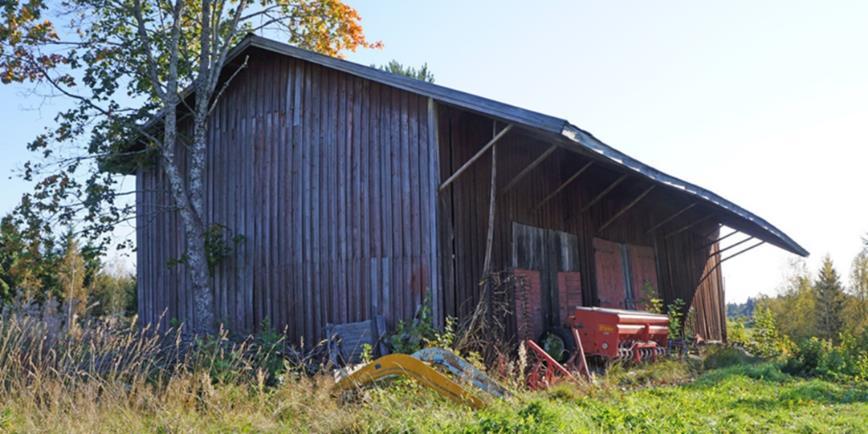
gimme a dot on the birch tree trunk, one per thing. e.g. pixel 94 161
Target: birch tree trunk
pixel 189 204
pixel 188 192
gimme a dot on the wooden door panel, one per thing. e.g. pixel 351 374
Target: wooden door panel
pixel 547 252
pixel 569 293
pixel 527 247
pixel 643 266
pixel 528 304
pixel 609 267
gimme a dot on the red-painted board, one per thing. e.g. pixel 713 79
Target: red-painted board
pixel 569 293
pixel 643 267
pixel 611 288
pixel 528 304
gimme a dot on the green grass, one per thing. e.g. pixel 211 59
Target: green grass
pixel 105 378
pixel 744 397
pixel 739 398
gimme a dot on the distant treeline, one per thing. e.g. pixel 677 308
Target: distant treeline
pixel 741 310
pixel 36 266
pixel 814 304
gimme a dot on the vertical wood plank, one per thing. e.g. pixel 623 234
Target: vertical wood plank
pixel 297 200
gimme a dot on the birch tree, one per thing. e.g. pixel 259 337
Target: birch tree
pixel 119 64
pixel 857 308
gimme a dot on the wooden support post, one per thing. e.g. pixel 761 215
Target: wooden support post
pixel 563 185
pixel 492 199
pixel 670 218
pixel 529 168
pixel 434 210
pixel 625 209
pixel 475 157
pixel 687 226
pixel 603 193
pixel 711 232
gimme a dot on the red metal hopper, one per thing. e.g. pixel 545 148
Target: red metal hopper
pixel 621 334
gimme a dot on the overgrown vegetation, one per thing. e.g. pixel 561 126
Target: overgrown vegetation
pixel 37 267
pixel 116 377
pixel 110 375
pixel 72 361
pixel 814 327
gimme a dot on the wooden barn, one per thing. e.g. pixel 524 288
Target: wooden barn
pixel 354 193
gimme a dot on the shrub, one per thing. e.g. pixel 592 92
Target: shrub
pixel 112 294
pixel 736 333
pixel 411 337
pixel 847 361
pixel 724 357
pixel 675 311
pixel 766 341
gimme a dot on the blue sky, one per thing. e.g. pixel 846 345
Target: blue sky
pixel 765 103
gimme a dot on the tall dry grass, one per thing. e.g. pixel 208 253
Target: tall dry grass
pixel 113 375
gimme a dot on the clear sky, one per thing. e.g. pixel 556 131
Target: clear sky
pixel 765 103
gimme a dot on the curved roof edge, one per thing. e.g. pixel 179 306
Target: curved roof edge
pixel 588 141
pixel 529 119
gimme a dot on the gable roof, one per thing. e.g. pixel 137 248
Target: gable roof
pixel 560 129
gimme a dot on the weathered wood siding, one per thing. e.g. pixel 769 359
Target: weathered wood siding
pixel 330 184
pixel 708 302
pixel 328 180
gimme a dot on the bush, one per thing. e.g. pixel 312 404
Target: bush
pixel 736 333
pixel 411 337
pixel 766 341
pixel 675 311
pixel 724 357
pixel 112 294
pixel 847 361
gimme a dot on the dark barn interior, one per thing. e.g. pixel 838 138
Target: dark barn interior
pixel 584 226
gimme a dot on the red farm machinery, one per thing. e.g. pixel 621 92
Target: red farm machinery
pixel 605 335
pixel 617 334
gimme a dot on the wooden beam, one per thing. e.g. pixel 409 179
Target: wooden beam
pixel 706 245
pixel 719 251
pixel 626 208
pixel 671 217
pixel 716 266
pixel 475 157
pixel 529 168
pixel 603 193
pixel 492 201
pixel 687 226
pixel 563 185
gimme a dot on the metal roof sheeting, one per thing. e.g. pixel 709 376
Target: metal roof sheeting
pixel 743 219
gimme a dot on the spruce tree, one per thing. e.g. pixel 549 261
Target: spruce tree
pixel 830 301
pixel 395 67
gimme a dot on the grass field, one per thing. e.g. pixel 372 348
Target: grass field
pixel 668 397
